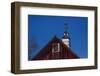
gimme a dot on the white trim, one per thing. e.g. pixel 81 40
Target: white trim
pixel 58 47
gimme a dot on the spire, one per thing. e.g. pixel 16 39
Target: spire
pixel 66 27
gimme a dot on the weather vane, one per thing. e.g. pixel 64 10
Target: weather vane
pixel 66 26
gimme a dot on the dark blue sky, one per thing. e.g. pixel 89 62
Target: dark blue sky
pixel 41 29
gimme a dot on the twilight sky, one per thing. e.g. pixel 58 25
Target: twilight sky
pixel 41 29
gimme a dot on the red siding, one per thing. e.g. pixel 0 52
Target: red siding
pixel 46 52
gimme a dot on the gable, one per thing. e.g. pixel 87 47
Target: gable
pixel 48 48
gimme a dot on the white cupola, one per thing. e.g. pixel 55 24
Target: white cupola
pixel 66 38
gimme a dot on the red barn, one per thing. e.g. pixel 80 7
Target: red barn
pixel 56 49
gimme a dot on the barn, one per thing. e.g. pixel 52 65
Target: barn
pixel 55 49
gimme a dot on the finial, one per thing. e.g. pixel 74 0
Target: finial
pixel 66 27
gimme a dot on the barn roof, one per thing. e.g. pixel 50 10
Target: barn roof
pixel 46 49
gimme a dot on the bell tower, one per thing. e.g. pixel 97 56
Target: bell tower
pixel 66 38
